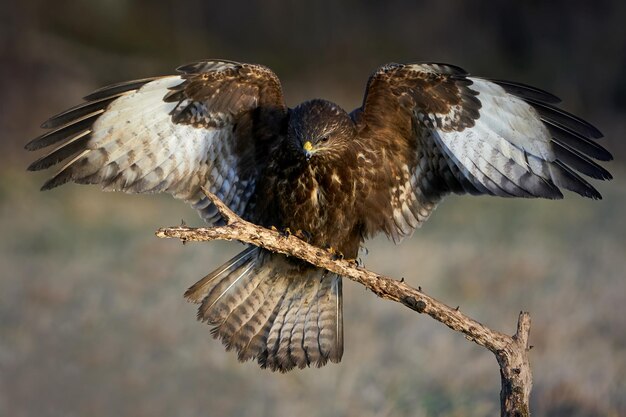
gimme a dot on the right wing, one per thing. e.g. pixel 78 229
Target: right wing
pixel 432 129
pixel 211 126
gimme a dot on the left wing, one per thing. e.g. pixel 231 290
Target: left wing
pixel 210 126
pixel 438 131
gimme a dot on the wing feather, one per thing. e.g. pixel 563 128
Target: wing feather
pixel 566 136
pixel 64 132
pixel 115 90
pixel 580 162
pixel 464 134
pixel 526 91
pixel 564 118
pixel 79 111
pixel 171 134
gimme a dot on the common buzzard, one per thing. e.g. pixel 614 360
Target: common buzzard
pixel 422 132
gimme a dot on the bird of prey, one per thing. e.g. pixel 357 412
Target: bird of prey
pixel 423 131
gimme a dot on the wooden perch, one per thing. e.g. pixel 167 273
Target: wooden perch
pixel 511 351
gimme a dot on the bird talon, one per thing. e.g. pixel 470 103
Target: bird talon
pixel 303 235
pixel 335 254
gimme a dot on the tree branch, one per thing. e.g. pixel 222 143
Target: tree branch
pixel 510 351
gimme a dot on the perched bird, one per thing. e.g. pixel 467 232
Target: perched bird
pixel 422 132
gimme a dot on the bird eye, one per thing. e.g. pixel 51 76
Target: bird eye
pixel 324 139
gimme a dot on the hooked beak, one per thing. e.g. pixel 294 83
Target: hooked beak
pixel 308 149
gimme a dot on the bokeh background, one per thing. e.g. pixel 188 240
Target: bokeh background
pixel 92 319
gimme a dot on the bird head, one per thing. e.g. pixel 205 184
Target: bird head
pixel 319 129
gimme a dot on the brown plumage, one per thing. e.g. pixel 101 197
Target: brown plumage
pixel 423 131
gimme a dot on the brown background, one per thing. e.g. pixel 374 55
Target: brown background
pixel 92 321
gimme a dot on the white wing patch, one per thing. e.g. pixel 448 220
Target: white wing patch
pixel 507 151
pixel 512 119
pixel 135 147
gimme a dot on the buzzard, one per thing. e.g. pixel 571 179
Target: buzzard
pixel 423 131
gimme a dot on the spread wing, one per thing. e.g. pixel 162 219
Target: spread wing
pixel 210 126
pixel 431 129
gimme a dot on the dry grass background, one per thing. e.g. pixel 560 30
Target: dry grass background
pixel 92 319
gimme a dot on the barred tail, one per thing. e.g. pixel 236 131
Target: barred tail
pixel 268 308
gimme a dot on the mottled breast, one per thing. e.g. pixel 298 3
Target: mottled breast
pixel 319 200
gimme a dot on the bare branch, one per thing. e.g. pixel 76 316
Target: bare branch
pixel 510 351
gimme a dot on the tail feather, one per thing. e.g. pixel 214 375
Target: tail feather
pixel 236 328
pixel 280 354
pixel 257 347
pixel 311 334
pixel 296 338
pixel 250 339
pixel 280 312
pixel 200 289
pixel 331 326
pixel 227 294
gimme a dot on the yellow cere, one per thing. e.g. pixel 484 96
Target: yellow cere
pixel 308 146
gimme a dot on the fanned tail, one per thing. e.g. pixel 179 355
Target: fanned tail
pixel 283 313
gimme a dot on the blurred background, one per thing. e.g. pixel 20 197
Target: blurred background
pixel 92 319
